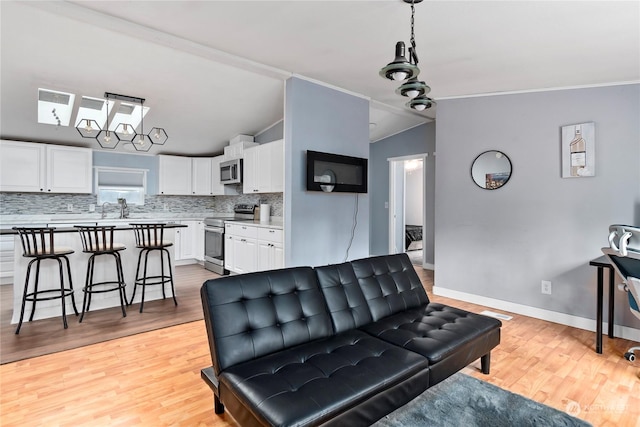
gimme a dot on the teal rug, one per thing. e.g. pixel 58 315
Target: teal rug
pixel 461 400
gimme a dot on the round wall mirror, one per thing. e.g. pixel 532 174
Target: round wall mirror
pixel 491 170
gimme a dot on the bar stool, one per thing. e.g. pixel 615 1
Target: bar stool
pixel 149 238
pixel 38 243
pixel 98 241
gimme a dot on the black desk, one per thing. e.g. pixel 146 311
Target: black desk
pixel 602 263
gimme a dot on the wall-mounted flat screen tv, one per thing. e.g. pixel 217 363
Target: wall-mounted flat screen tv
pixel 336 173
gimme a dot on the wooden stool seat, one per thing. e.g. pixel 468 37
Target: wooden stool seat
pixel 38 243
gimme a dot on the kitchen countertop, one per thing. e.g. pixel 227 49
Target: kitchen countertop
pixel 121 227
pixel 273 223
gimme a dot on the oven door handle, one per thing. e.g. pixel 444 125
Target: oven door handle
pixel 214 230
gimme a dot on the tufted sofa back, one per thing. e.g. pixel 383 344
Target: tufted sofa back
pixel 252 315
pixel 390 284
pixel 345 300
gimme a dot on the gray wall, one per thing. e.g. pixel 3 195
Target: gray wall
pixel 272 133
pixel 420 139
pixel 136 161
pixel 318 225
pixel 500 244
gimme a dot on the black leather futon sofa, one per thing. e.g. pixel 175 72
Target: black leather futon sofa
pixel 341 344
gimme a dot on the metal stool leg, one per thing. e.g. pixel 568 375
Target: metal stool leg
pixel 144 278
pixel 24 296
pixel 87 285
pixel 173 291
pixel 121 283
pixel 73 298
pixel 35 291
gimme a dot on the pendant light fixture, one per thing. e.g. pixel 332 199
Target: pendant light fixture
pixel 142 142
pixel 106 138
pixel 88 128
pixel 125 132
pixel 400 69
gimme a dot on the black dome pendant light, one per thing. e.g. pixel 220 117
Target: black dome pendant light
pixel 401 69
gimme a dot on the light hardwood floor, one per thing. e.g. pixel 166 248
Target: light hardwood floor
pixel 153 378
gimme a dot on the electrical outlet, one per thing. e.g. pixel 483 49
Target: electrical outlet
pixel 546 287
pixel 92 208
pixel 69 207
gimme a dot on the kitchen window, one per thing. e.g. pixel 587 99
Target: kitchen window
pixel 114 183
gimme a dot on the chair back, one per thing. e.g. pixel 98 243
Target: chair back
pixel 624 254
pixel 36 241
pixel 96 238
pixel 149 235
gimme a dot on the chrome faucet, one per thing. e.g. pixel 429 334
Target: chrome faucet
pixel 104 214
pixel 124 210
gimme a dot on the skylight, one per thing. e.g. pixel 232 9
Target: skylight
pixel 129 114
pixel 93 109
pixel 55 108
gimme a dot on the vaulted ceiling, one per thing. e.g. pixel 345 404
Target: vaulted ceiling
pixel 210 70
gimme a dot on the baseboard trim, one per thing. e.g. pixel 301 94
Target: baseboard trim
pixel 539 313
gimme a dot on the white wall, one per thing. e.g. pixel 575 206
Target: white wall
pixel 500 244
pixel 414 196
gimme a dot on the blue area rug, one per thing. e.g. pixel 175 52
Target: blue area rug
pixel 461 400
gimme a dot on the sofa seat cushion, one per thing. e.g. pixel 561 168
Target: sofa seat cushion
pixel 314 382
pixel 434 330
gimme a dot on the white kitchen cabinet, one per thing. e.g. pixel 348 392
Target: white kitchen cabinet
pixel 186 241
pixel 46 168
pixel 229 259
pixel 198 240
pixel 245 253
pixel 7 248
pixel 251 248
pixel 174 175
pixel 236 151
pixel 241 249
pixel 69 169
pixel 201 172
pixel 277 166
pixel 270 249
pixel 264 168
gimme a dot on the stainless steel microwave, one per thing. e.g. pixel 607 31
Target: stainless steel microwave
pixel 231 172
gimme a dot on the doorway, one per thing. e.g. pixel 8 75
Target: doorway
pixel 407 212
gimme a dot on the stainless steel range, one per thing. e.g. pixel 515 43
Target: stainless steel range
pixel 214 237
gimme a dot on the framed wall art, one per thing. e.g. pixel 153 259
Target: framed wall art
pixel 578 150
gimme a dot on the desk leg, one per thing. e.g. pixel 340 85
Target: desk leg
pixel 599 311
pixel 611 300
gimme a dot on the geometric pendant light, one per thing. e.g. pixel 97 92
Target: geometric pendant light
pixel 107 138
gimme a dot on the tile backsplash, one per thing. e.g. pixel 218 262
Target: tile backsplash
pixel 54 204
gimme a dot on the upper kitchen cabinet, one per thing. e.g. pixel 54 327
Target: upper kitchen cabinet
pixel 264 168
pixel 174 175
pixel 201 173
pixel 44 168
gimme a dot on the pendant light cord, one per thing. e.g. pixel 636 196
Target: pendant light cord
pixel 413 54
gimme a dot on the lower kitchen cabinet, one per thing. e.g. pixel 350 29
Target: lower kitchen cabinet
pixel 251 248
pixel 270 250
pixel 189 243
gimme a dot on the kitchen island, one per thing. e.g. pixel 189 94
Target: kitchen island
pixel 104 270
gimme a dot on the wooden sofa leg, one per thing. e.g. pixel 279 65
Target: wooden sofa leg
pixel 218 407
pixel 485 363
